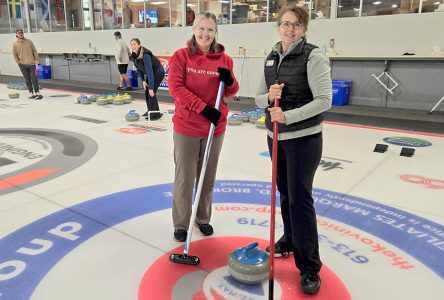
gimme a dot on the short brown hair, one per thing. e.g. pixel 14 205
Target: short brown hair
pixel 300 12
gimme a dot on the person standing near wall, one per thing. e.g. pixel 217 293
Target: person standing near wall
pixel 298 74
pixel 193 81
pixel 26 56
pixel 152 73
pixel 127 16
pixel 190 16
pixel 122 59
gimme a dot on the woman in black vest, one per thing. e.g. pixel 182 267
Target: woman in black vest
pixel 152 73
pixel 298 74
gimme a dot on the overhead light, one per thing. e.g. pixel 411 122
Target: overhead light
pixel 394 6
pixel 158 3
pixel 377 2
pixel 437 3
pixel 224 1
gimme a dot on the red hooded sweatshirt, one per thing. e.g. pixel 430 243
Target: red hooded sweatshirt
pixel 193 82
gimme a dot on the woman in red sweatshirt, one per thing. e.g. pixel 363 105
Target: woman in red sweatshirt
pixel 194 76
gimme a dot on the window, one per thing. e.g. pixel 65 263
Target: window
pixel 74 13
pixel 320 9
pixel 176 13
pixel 57 11
pixel 432 6
pixel 39 14
pixel 109 13
pixel 156 14
pixel 4 18
pixel 17 14
pixel 251 11
pixel 348 8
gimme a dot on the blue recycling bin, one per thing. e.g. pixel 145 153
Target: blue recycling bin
pixel 132 76
pixel 44 71
pixel 341 91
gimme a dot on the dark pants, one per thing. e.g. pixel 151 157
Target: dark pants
pixel 151 102
pixel 31 79
pixel 298 160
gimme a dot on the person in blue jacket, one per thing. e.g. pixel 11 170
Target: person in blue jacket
pixel 152 73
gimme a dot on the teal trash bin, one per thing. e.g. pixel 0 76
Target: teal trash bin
pixel 44 71
pixel 341 92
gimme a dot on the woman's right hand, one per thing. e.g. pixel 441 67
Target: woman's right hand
pixel 145 85
pixel 275 91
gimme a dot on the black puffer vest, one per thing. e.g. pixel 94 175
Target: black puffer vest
pixel 296 92
pixel 138 62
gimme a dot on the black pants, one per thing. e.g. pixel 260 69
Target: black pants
pixel 151 102
pixel 31 79
pixel 298 160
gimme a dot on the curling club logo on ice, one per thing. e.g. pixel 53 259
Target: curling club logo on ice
pixel 407 141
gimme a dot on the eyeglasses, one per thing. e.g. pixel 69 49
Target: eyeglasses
pixel 210 31
pixel 287 25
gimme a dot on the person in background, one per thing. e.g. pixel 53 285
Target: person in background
pixel 26 56
pixel 298 74
pixel 122 58
pixel 190 16
pixel 152 73
pixel 194 76
pixel 127 15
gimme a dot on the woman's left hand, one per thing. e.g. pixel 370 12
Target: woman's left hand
pixel 277 114
pixel 151 93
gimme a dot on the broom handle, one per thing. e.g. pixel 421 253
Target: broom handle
pixel 274 156
pixel 202 171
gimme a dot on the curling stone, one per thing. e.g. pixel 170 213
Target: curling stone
pixel 81 98
pixel 244 117
pixel 248 264
pixel 84 100
pixel 110 99
pixel 13 94
pixel 132 116
pixel 253 116
pixel 93 98
pixel 234 120
pixel 102 101
pixel 260 123
pixel 127 98
pixel 118 100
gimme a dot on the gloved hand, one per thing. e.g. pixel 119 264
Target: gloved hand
pixel 225 76
pixel 211 114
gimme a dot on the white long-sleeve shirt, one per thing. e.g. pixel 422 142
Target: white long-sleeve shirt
pixel 319 80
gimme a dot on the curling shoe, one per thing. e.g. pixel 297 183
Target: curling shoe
pixel 310 283
pixel 281 248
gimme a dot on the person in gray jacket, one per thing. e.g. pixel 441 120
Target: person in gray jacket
pixel 122 59
pixel 298 74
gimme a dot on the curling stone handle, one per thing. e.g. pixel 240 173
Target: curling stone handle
pixel 249 247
